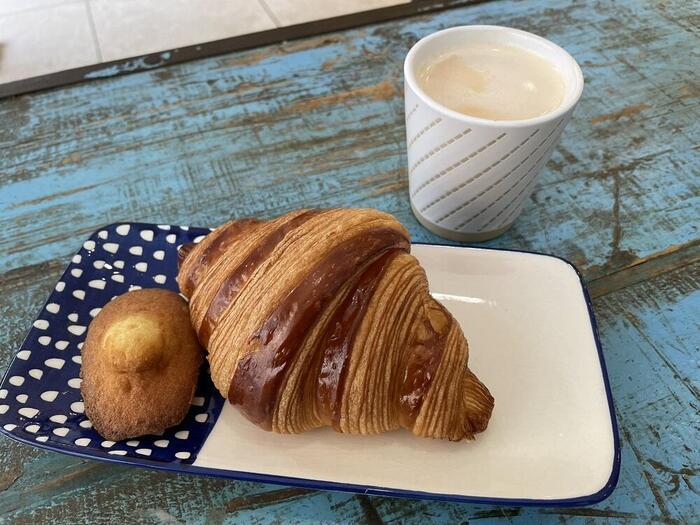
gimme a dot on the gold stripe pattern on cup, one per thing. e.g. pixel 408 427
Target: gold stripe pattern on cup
pixel 528 186
pixel 486 170
pixel 523 177
pixel 424 130
pixel 475 177
pixel 519 205
pixel 454 166
pixel 507 207
pixel 411 112
pixel 439 148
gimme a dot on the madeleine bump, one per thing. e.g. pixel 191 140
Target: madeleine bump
pixel 141 362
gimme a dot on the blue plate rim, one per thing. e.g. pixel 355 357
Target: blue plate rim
pixel 589 499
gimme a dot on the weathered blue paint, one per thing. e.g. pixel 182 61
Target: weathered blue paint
pixel 269 124
pixel 320 122
pixel 136 64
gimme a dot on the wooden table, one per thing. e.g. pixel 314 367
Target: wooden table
pixel 319 122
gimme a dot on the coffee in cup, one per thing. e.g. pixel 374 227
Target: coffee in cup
pixel 493 81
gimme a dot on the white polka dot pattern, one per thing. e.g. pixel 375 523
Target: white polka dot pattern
pixel 49 395
pixel 40 396
pixel 123 229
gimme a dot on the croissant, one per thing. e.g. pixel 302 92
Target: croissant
pixel 323 318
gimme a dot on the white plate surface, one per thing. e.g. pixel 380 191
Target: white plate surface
pixel 531 342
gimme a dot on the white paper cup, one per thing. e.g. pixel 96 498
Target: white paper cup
pixel 470 177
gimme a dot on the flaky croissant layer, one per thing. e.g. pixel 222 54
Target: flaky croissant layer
pixel 323 318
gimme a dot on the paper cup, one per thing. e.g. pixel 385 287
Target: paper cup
pixel 470 177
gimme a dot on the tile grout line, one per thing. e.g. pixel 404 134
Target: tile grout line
pixel 270 13
pixel 93 31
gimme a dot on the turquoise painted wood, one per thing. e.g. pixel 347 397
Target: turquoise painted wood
pixel 319 122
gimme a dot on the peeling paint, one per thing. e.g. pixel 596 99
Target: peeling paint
pixel 136 64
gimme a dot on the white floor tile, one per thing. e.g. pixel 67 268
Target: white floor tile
pixel 290 12
pixel 15 6
pixel 45 40
pixel 127 28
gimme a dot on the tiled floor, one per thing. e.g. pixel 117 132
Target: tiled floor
pixel 38 37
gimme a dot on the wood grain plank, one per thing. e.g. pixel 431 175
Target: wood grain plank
pixel 261 132
pixel 673 258
pixel 319 122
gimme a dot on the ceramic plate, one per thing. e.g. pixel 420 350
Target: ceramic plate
pixel 552 439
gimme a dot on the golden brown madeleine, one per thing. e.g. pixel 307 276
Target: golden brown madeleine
pixel 322 317
pixel 140 364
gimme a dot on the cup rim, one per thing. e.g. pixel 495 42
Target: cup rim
pixel 409 77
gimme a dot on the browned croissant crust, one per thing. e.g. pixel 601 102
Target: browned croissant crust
pixel 322 317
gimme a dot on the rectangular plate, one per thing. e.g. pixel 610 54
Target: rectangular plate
pixel 552 439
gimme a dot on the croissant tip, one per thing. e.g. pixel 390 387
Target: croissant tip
pixel 479 423
pixel 479 404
